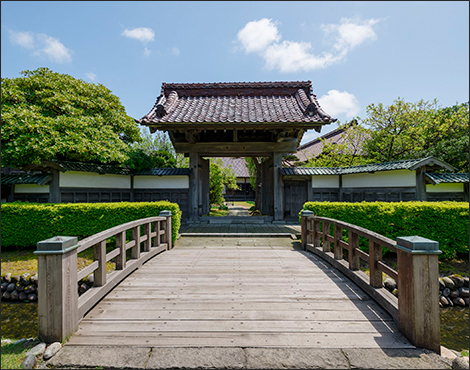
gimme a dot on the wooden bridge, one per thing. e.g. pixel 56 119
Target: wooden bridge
pixel 240 292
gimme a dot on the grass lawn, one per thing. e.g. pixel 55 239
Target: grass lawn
pixel 14 354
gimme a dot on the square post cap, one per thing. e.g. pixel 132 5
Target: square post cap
pixel 165 213
pixel 306 213
pixel 418 245
pixel 57 245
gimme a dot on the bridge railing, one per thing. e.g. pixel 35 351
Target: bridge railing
pixel 59 308
pixel 416 310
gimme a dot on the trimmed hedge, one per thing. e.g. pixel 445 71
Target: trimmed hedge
pixel 25 224
pixel 444 222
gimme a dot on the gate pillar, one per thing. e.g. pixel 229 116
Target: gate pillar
pixel 194 187
pixel 278 188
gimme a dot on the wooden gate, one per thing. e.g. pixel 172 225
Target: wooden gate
pixel 295 195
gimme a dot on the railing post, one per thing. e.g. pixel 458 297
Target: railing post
pixel 167 228
pixel 304 227
pixel 337 248
pixel 375 254
pixel 57 288
pixel 316 232
pixel 326 232
pixel 418 291
pixel 136 248
pixel 121 244
pixel 99 254
pixel 352 255
pixel 147 231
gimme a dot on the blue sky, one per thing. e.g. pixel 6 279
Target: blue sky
pixel 355 53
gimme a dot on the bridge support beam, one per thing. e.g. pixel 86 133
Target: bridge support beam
pixel 418 291
pixel 57 288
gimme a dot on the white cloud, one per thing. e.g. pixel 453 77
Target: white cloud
pixel 24 39
pixel 143 34
pixel 91 76
pixel 257 35
pixel 175 51
pixel 53 49
pixel 262 37
pixel 42 46
pixel 147 52
pixel 337 103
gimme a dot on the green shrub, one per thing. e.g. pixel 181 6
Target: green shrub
pixel 25 224
pixel 444 222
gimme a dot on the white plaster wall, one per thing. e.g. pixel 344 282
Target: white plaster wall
pixel 325 181
pixel 161 182
pixel 398 178
pixel 77 179
pixel 444 188
pixel 25 188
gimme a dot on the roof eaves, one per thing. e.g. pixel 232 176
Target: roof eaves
pixel 432 161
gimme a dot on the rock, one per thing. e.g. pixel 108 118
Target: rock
pixel 460 363
pixel 390 284
pixel 463 292
pixel 466 300
pixel 24 279
pixel 90 279
pixel 446 292
pixel 83 288
pixel 441 285
pixel 34 279
pixel 7 278
pixel 19 287
pixel 52 350
pixel 458 280
pixel 7 341
pixel 444 301
pixel 22 296
pixel 14 295
pixel 15 279
pixel 29 362
pixel 454 294
pixel 11 287
pixel 449 283
pixel 38 350
pixel 458 302
pixel 22 340
pixel 32 297
pixel 4 287
pixel 465 282
pixel 6 295
pixel 395 292
pixel 30 289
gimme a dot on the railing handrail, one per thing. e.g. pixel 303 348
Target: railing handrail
pixel 416 309
pixel 386 242
pixel 103 235
pixel 59 307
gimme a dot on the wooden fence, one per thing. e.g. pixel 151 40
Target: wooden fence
pixel 59 308
pixel 416 310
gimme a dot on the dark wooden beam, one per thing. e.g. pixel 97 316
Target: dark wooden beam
pixel 218 149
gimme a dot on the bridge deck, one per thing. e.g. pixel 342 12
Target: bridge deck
pixel 236 292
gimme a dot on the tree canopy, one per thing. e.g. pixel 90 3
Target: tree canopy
pixel 220 176
pixel 48 115
pixel 400 131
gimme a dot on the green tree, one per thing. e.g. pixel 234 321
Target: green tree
pixel 219 177
pixel 154 151
pixel 345 152
pixel 416 130
pixel 48 115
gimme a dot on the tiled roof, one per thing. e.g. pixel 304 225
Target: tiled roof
pixel 117 170
pixel 35 179
pixel 409 164
pixel 442 178
pixel 165 172
pixel 238 166
pixel 238 102
pixel 314 148
pixel 93 167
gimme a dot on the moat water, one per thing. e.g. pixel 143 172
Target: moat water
pixel 20 320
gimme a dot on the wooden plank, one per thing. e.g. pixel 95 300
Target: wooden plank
pixel 214 339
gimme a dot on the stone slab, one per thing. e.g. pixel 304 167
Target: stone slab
pixel 96 356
